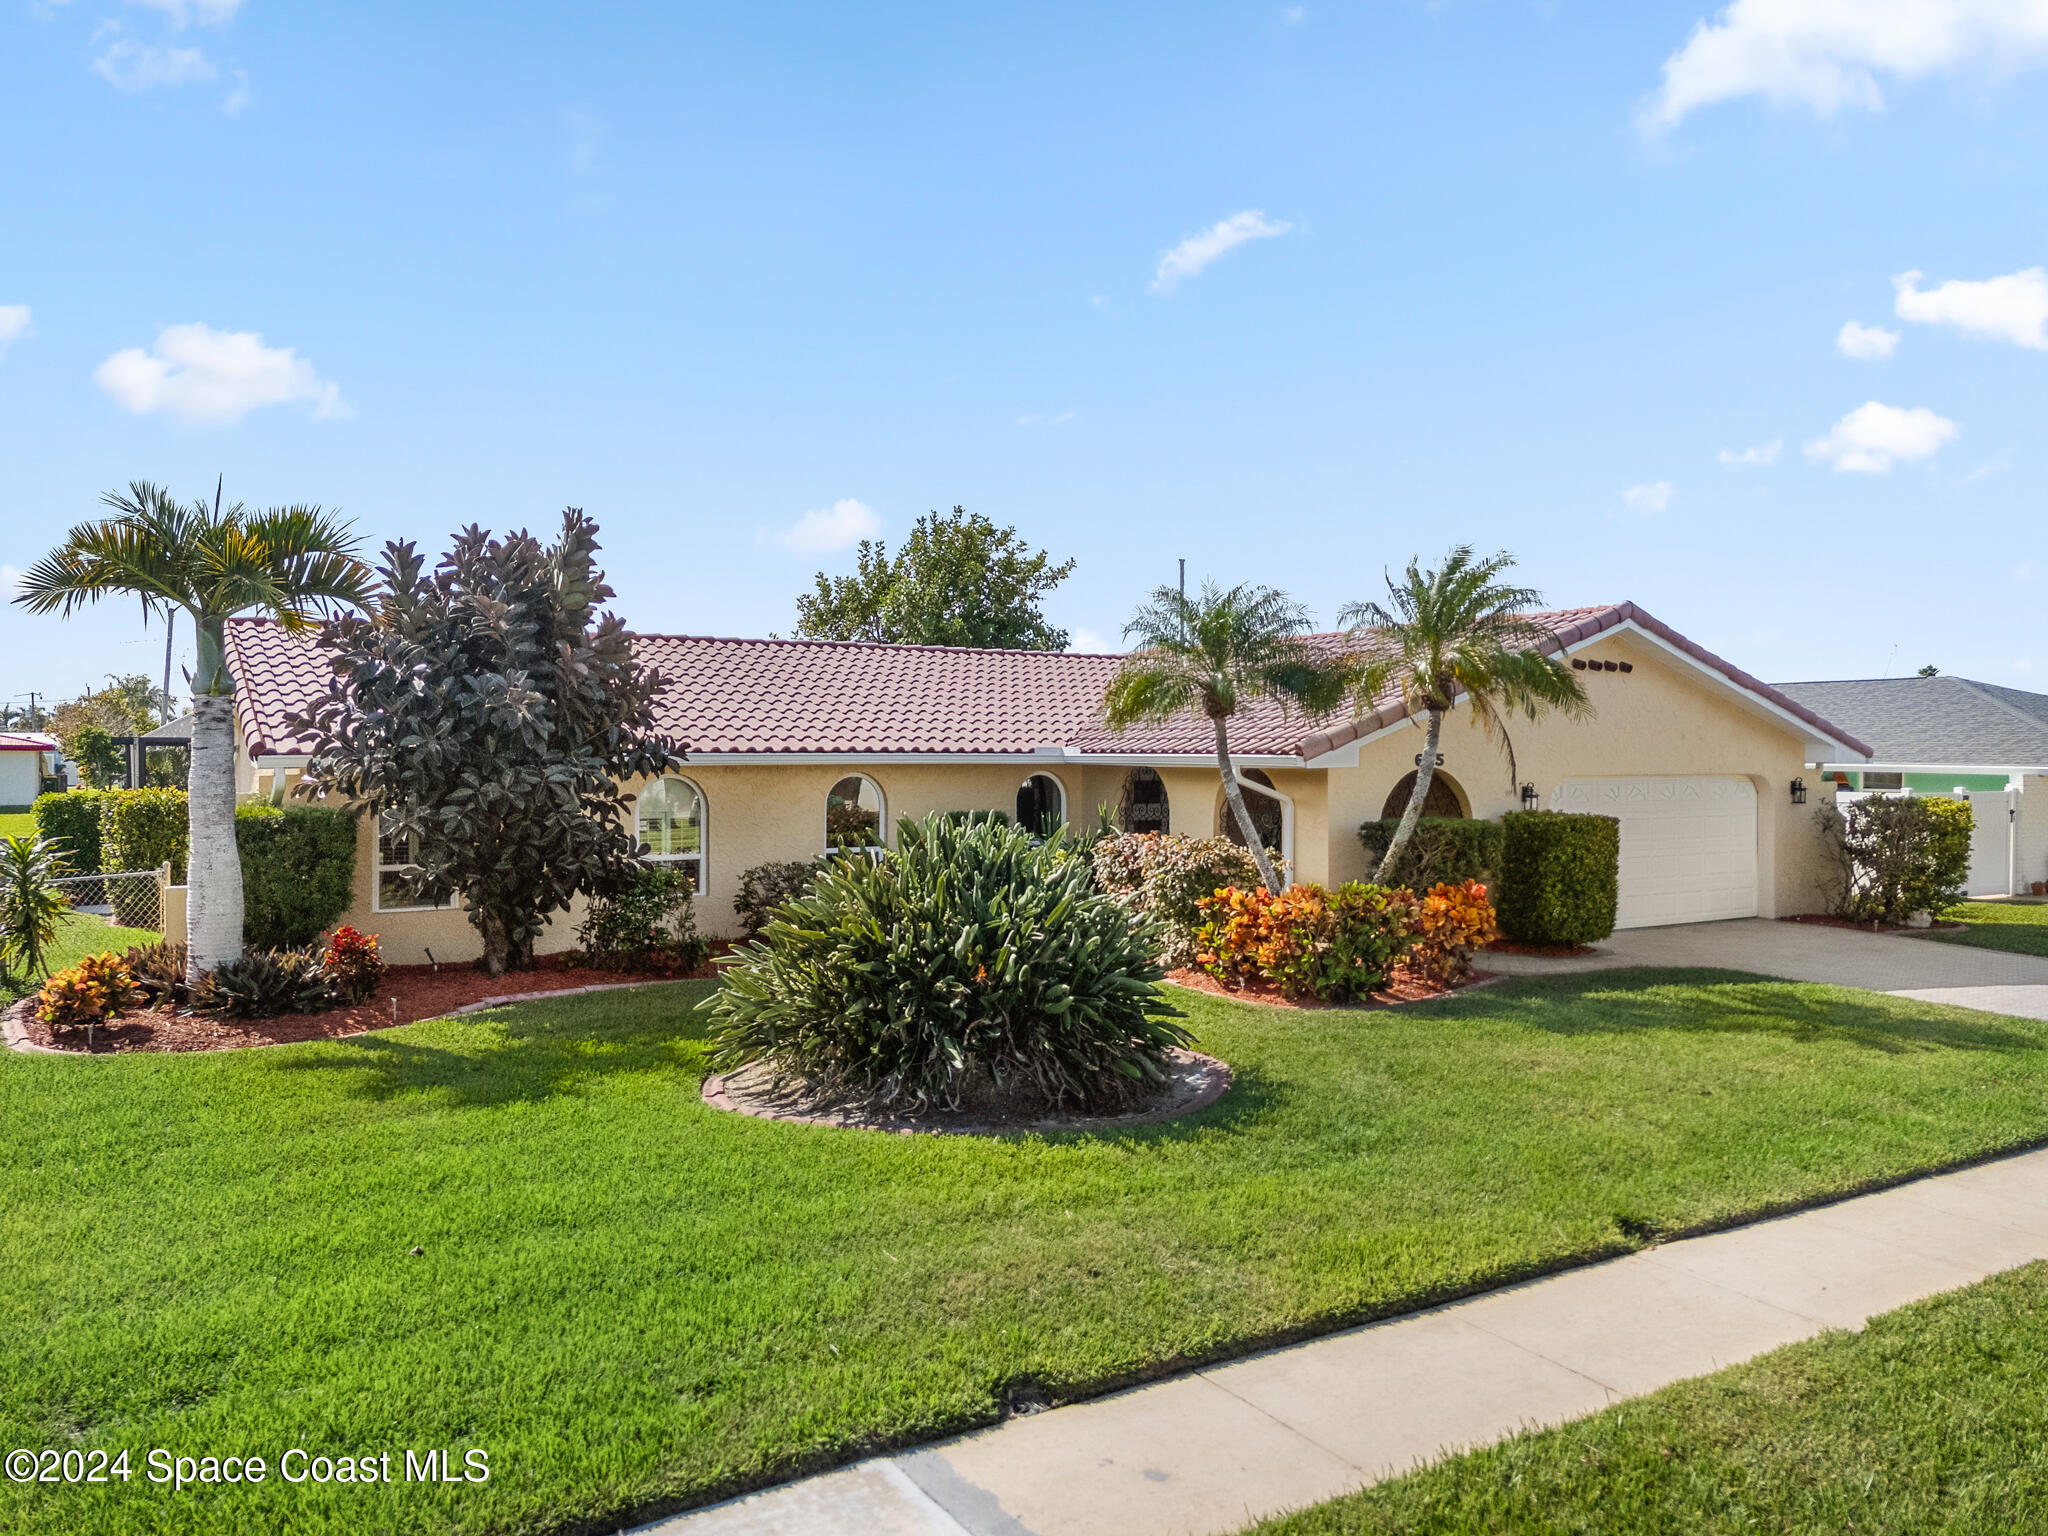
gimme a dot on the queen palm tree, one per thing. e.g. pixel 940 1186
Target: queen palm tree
pixel 1451 632
pixel 290 563
pixel 1212 653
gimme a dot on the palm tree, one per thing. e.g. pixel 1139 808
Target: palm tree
pixel 1458 631
pixel 1213 653
pixel 291 563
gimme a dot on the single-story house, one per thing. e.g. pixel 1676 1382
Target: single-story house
pixel 795 746
pixel 1952 736
pixel 26 759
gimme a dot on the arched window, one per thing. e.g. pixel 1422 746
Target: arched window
pixel 1267 814
pixel 669 821
pixel 1041 805
pixel 1143 806
pixel 853 814
pixel 1442 799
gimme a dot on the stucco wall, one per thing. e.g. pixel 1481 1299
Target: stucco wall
pixel 21 776
pixel 1657 719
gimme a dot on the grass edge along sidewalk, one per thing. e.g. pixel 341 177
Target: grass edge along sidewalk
pixel 1928 1419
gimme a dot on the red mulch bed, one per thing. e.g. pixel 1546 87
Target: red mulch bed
pixel 1402 987
pixel 1541 951
pixel 409 993
pixel 1823 920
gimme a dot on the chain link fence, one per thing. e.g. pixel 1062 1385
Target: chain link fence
pixel 127 899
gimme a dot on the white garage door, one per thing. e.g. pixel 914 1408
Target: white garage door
pixel 1688 845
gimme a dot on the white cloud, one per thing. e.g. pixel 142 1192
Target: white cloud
pixel 199 374
pixel 2024 571
pixel 1294 15
pixel 1650 497
pixel 1761 454
pixel 208 13
pixel 2011 308
pixel 13 325
pixel 587 134
pixel 1828 54
pixel 130 66
pixel 827 529
pixel 10 581
pixel 1873 437
pixel 1865 341
pixel 1088 643
pixel 1197 251
pixel 237 101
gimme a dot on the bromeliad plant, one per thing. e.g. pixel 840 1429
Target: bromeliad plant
pixel 973 951
pixel 31 905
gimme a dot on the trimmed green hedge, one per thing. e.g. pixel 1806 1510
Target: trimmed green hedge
pixel 144 828
pixel 1560 875
pixel 298 871
pixel 72 821
pixel 1444 850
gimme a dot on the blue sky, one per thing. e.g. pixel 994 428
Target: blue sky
pixel 1521 275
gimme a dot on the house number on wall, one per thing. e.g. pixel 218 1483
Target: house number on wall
pixel 1439 759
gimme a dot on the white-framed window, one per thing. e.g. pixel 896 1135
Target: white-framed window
pixel 1884 781
pixel 669 821
pixel 398 855
pixel 1042 805
pixel 853 815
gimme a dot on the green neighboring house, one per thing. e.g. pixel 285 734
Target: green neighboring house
pixel 1951 736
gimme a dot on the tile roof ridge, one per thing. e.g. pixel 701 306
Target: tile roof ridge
pixel 878 645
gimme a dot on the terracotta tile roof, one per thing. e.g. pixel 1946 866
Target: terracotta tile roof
pixel 27 741
pixel 840 698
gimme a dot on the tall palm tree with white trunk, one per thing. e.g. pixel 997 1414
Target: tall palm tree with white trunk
pixel 1213 653
pixel 1458 632
pixel 292 564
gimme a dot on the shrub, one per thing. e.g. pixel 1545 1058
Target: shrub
pixel 1559 877
pixel 159 970
pixel 298 871
pixel 142 829
pixel 351 964
pixel 976 952
pixel 1309 942
pixel 1166 878
pixel 1445 850
pixel 263 984
pixel 1451 922
pixel 767 886
pixel 649 926
pixel 1900 856
pixel 31 906
pixel 95 991
pixel 71 820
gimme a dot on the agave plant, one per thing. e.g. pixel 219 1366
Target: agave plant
pixel 31 905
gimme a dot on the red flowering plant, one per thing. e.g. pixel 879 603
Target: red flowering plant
pixel 351 964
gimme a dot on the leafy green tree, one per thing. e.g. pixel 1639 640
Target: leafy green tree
pixel 99 760
pixel 957 580
pixel 1213 653
pixel 487 715
pixel 290 563
pixel 1458 632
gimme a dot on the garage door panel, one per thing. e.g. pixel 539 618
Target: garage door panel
pixel 1688 844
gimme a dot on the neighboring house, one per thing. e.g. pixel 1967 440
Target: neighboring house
pixel 26 759
pixel 797 745
pixel 1950 736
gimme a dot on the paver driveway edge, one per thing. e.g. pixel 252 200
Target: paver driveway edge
pixel 1207 1453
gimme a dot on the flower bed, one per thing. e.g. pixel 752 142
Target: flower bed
pixel 408 994
pixel 1404 984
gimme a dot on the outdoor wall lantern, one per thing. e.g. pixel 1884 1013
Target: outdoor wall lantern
pixel 1799 791
pixel 1528 797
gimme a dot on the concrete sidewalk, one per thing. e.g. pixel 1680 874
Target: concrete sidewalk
pixel 1927 970
pixel 1209 1452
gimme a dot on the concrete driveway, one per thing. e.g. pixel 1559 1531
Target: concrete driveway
pixel 1926 969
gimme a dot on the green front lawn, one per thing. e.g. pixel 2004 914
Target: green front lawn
pixel 632 1301
pixel 17 824
pixel 2020 927
pixel 1928 1420
pixel 81 935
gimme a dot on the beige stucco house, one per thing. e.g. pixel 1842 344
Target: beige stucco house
pixel 794 744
